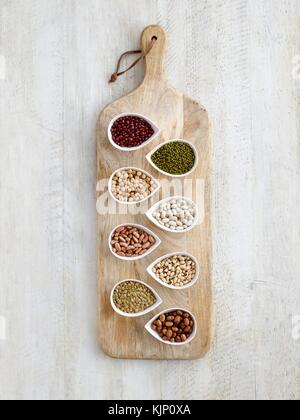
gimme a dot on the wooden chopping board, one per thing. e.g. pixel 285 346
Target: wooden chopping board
pixel 178 116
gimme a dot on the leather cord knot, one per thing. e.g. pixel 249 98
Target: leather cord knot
pixel 113 78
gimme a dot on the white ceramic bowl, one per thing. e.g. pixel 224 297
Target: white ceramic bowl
pixel 157 336
pixel 148 231
pixel 154 208
pixel 169 286
pixel 149 158
pixel 131 149
pixel 146 311
pixel 157 185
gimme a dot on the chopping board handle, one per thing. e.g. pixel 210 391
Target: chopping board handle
pixel 155 60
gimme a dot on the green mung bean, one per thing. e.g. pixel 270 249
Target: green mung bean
pixel 175 158
pixel 133 297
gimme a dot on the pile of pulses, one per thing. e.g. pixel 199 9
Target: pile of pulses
pixel 133 297
pixel 175 158
pixel 177 214
pixel 175 327
pixel 132 186
pixel 178 270
pixel 131 131
pixel 129 241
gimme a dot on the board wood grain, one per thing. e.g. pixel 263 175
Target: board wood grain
pixel 178 116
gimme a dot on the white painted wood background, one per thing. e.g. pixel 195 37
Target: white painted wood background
pixel 235 56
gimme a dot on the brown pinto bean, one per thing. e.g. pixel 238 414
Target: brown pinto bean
pixel 131 242
pixel 121 254
pixel 170 334
pixel 183 337
pixel 186 322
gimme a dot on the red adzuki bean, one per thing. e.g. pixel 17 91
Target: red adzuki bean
pixel 131 131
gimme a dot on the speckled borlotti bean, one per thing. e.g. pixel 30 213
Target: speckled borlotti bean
pixel 129 241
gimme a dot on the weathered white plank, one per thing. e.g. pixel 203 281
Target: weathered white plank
pixel 235 56
pixel 31 207
pixel 275 130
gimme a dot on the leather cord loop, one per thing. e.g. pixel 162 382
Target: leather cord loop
pixel 117 73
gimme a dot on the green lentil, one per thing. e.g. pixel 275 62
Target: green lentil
pixel 175 158
pixel 132 297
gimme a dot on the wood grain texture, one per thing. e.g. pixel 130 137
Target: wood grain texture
pixel 178 116
pixel 235 56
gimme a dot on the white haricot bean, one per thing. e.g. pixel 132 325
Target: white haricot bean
pixel 177 214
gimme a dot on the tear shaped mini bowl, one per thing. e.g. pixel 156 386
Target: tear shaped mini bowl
pixel 138 314
pixel 156 189
pixel 140 227
pixel 150 214
pixel 154 334
pixel 155 128
pixel 169 286
pixel 149 158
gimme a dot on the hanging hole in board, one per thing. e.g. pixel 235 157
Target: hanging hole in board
pixel 154 38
